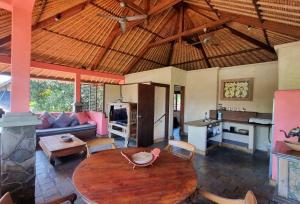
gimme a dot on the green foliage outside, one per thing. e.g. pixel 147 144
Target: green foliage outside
pixel 51 96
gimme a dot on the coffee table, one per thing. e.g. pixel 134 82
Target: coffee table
pixel 54 146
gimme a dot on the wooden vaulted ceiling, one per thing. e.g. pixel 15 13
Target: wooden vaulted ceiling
pixel 69 33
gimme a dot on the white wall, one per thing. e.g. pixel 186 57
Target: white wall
pixel 112 94
pixel 130 93
pixel 201 93
pixel 265 84
pixel 167 75
pixel 159 111
pixel 288 66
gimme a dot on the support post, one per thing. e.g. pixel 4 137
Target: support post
pixel 77 107
pixel 20 55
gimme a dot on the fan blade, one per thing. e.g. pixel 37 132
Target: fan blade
pixel 138 17
pixel 109 17
pixel 122 26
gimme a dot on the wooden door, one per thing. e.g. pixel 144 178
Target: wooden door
pixel 145 115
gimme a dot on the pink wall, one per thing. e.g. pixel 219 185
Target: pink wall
pixel 286 117
pixel 101 120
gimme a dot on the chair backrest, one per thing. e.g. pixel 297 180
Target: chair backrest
pixel 249 199
pixel 6 199
pixel 182 145
pixel 99 142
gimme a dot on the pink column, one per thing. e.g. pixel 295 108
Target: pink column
pixel 77 88
pixel 20 55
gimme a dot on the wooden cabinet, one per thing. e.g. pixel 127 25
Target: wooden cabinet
pixel 288 181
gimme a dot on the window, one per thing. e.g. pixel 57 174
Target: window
pixel 92 97
pixel 177 101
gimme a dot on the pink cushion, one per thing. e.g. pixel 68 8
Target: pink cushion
pixel 45 123
pixel 92 122
pixel 82 117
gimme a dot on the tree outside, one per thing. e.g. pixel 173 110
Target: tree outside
pixel 51 96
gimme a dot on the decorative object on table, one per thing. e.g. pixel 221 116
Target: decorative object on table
pixel 142 159
pixel 295 132
pixel 237 89
pixel 293 145
pixel 67 138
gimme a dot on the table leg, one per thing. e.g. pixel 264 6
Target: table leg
pixel 52 161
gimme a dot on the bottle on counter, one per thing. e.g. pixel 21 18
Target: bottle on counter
pixel 220 114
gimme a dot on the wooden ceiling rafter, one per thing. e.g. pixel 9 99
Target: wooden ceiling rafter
pixel 285 29
pixel 242 35
pixel 222 55
pixel 181 21
pixel 146 48
pixel 164 6
pixel 53 19
pixel 201 48
pixel 258 12
pixel 134 7
pixel 198 29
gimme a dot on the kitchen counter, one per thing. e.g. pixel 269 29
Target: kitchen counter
pixel 200 123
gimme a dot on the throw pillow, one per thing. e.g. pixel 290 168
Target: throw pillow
pixel 49 117
pixel 82 117
pixel 62 121
pixel 45 124
pixel 74 119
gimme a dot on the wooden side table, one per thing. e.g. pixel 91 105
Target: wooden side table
pixel 54 146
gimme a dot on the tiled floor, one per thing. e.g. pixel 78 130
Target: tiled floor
pixel 225 172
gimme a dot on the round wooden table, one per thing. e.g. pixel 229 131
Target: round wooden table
pixel 106 177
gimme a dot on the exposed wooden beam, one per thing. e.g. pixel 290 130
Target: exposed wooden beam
pixel 163 6
pixel 212 8
pixel 146 5
pixel 254 2
pixel 245 37
pixel 222 55
pixel 110 39
pixel 285 29
pixel 190 32
pixel 171 53
pixel 200 47
pixel 7 60
pixel 53 19
pixel 145 48
pixel 61 16
pixel 134 7
pixel 180 22
pixel 251 40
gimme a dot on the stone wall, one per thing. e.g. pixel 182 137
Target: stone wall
pixel 18 144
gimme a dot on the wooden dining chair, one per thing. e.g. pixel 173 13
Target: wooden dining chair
pixel 182 145
pixel 6 199
pixel 249 199
pixel 99 142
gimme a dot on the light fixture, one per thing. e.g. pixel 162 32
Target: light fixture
pixel 122 4
pixel 57 17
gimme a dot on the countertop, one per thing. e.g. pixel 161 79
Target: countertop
pixel 200 123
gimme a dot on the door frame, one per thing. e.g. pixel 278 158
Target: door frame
pixel 167 106
pixel 182 105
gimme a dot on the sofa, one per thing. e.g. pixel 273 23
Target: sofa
pixel 96 125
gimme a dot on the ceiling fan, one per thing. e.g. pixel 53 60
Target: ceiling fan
pixel 124 19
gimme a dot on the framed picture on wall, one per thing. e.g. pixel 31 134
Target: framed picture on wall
pixel 237 89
